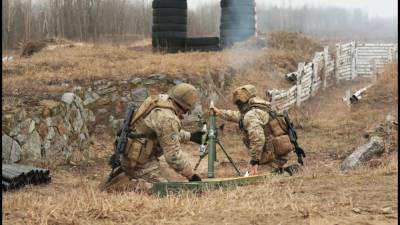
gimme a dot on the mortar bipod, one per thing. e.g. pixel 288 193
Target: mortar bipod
pixel 213 140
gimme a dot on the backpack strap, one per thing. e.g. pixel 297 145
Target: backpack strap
pixel 151 103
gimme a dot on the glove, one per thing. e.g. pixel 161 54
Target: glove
pixel 254 162
pixel 196 136
pixel 195 177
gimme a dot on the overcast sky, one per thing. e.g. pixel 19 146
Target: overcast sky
pixel 381 8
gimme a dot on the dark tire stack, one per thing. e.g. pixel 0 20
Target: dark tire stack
pixel 238 21
pixel 169 25
pixel 202 44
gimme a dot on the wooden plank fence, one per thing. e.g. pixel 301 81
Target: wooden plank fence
pixel 345 61
pixel 352 60
pixel 381 54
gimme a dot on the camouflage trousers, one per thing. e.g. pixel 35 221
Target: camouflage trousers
pixel 273 160
pixel 280 161
pixel 278 164
pixel 138 179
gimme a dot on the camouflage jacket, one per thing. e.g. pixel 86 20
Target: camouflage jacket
pixel 169 135
pixel 253 122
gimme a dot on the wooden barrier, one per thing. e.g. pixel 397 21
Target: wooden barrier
pixel 352 60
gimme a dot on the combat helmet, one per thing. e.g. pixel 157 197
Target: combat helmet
pixel 244 93
pixel 185 95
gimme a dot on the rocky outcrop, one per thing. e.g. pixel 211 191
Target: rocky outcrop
pixel 10 150
pixel 364 153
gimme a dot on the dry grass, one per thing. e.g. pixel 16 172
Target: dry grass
pixel 81 64
pixel 330 128
pixel 321 194
pixel 87 63
pixel 293 41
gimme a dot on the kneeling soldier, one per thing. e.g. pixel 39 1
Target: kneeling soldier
pixel 264 135
pixel 159 132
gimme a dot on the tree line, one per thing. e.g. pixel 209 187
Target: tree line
pixel 83 20
pixel 119 20
pixel 328 22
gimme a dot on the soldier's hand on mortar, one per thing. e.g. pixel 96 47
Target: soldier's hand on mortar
pixel 195 177
pixel 216 110
pixel 196 136
pixel 253 168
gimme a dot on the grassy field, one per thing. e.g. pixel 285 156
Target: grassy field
pixel 320 194
pixel 83 63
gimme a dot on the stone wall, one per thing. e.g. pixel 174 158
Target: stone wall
pixel 52 130
pixel 49 130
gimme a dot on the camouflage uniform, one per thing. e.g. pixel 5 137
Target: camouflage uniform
pixel 252 120
pixel 253 128
pixel 142 166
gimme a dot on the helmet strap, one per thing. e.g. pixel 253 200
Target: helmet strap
pixel 181 109
pixel 241 106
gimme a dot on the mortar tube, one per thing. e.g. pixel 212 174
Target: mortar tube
pixel 211 144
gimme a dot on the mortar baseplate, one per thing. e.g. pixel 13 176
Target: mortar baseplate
pixel 164 188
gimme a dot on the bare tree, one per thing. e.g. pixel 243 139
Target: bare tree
pixel 28 20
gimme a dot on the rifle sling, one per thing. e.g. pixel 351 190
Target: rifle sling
pixel 274 115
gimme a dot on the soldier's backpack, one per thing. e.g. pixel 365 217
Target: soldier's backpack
pixel 139 146
pixel 280 136
pixel 152 102
pixel 277 135
pixel 284 135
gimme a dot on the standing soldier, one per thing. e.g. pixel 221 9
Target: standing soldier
pixel 157 130
pixel 265 136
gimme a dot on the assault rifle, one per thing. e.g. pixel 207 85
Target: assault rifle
pixel 293 138
pixel 120 144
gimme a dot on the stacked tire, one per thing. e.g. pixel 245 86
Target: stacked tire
pixel 169 25
pixel 202 44
pixel 238 21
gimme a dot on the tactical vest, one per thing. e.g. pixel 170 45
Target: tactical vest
pixel 277 141
pixel 140 149
pixel 152 102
